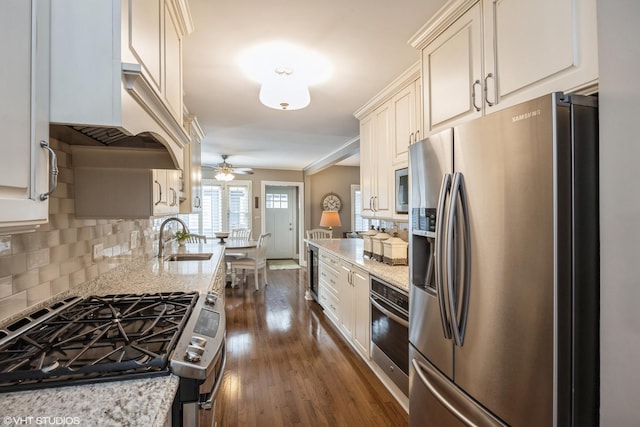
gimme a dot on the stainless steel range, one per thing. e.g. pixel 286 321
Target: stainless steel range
pixel 117 337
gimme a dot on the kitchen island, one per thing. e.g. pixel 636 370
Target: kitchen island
pixel 352 250
pixel 343 280
pixel 139 402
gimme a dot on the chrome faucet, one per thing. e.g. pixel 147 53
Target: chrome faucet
pixel 160 240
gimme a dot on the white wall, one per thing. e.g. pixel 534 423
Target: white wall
pixel 619 62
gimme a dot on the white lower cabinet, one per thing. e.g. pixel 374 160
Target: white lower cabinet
pixel 343 292
pixel 354 306
pixel 328 285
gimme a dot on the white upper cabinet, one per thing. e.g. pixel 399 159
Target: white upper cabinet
pixel 389 122
pixel 368 164
pixel 118 64
pixel 173 60
pixel 533 48
pixel 191 188
pixel 406 122
pixel 24 115
pixel 481 56
pixel 381 178
pixel 125 193
pixel 375 162
pixel 166 186
pixel 452 66
pixel 123 183
pixel 146 37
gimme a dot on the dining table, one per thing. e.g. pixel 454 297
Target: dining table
pixel 239 244
pixel 245 248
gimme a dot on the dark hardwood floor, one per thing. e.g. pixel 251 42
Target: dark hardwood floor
pixel 287 365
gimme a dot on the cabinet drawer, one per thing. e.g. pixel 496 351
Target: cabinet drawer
pixel 329 276
pixel 329 302
pixel 330 259
pixel 330 288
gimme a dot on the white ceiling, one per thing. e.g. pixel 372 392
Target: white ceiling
pixel 366 41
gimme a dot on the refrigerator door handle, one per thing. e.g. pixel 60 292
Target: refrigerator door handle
pixel 452 398
pixel 444 189
pixel 467 258
pixel 458 197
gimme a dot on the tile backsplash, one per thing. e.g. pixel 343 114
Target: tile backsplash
pixel 57 257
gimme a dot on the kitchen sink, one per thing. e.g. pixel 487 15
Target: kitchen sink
pixel 189 256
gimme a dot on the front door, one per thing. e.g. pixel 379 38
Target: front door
pixel 281 220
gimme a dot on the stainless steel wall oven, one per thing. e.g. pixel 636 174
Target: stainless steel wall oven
pixel 390 331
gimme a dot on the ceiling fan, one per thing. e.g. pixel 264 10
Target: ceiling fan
pixel 225 171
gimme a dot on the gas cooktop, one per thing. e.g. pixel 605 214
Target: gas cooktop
pixel 98 338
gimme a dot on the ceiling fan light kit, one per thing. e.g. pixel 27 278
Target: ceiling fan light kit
pixel 226 172
pixel 225 176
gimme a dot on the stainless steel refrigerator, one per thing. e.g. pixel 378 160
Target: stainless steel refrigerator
pixel 504 269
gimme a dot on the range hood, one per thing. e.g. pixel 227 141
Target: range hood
pixel 139 120
pixel 116 73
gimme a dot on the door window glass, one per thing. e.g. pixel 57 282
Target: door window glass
pixel 277 201
pixel 225 206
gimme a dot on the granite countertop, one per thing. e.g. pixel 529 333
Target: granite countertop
pixel 351 250
pixel 139 402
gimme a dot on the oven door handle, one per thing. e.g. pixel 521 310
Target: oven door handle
pixel 208 404
pixel 388 313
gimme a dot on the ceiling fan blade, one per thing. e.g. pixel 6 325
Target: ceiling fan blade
pixel 243 171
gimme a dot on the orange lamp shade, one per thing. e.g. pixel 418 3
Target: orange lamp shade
pixel 330 219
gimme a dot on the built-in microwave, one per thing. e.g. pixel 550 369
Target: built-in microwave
pixel 402 191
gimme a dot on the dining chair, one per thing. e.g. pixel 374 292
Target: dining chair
pixel 196 238
pixel 240 233
pixel 319 233
pixel 256 262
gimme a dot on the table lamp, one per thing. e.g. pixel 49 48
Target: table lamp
pixel 330 219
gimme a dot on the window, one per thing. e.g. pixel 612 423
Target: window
pixel 357 222
pixel 225 206
pixel 277 201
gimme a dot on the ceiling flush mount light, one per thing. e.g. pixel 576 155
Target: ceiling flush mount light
pixel 284 91
pixel 285 72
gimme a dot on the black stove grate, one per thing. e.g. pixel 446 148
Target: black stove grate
pixel 98 338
